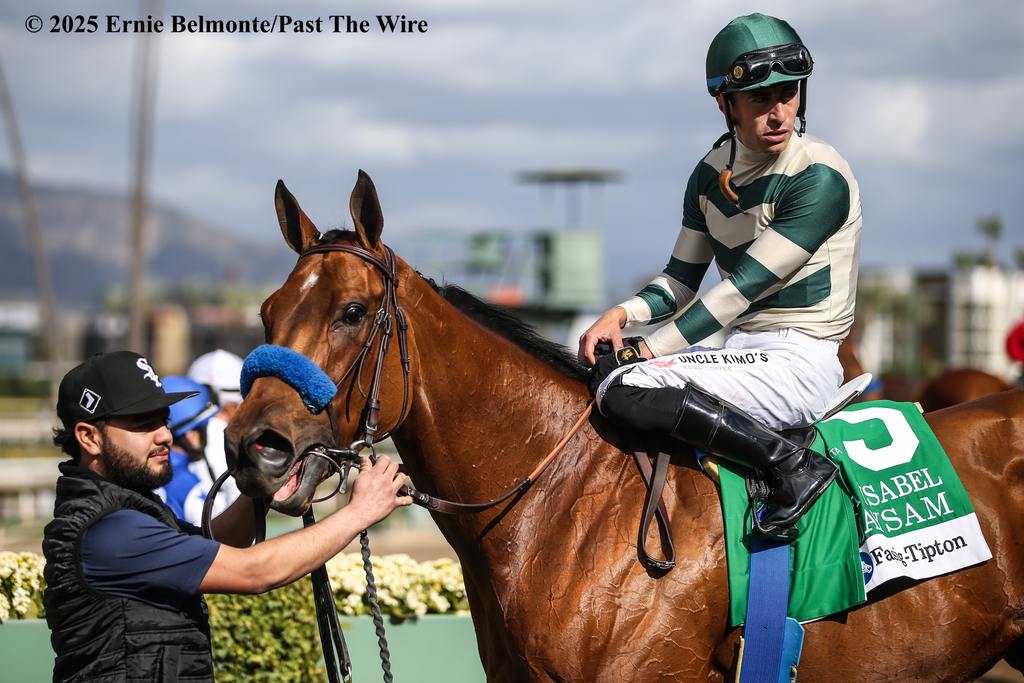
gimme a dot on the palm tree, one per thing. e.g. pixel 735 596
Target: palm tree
pixel 41 266
pixel 991 228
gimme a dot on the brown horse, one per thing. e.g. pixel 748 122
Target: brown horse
pixel 959 386
pixel 554 584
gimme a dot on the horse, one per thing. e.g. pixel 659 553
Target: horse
pixel 554 585
pixel 959 385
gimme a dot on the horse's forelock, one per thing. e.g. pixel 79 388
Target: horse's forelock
pixel 338 235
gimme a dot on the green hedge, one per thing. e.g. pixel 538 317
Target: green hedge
pixel 273 637
pixel 269 637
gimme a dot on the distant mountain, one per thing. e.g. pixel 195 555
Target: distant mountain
pixel 87 239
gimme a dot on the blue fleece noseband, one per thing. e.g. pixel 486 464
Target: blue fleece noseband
pixel 292 368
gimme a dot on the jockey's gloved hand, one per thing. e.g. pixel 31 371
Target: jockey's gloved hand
pixel 608 361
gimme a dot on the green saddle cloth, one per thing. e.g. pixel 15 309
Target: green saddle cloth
pixel 897 509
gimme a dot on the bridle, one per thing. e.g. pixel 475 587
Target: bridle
pixel 391 318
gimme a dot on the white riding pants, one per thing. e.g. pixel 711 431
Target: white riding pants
pixel 783 378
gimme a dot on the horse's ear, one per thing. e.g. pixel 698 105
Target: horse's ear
pixel 366 213
pixel 299 232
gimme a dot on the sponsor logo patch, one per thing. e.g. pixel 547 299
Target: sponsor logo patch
pixel 867 565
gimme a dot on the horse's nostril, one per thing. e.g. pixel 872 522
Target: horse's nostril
pixel 271 453
pixel 271 439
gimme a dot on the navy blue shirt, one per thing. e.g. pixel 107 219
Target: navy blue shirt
pixel 134 555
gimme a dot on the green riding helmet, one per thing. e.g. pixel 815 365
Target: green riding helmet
pixel 755 51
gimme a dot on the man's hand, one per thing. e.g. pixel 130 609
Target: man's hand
pixel 608 328
pixel 375 492
pixel 284 559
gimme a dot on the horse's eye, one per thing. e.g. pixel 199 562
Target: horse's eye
pixel 353 314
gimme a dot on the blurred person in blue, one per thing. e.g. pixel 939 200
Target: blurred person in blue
pixel 125 577
pixel 221 371
pixel 186 492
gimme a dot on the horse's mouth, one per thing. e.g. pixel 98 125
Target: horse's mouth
pixel 291 483
pixel 295 495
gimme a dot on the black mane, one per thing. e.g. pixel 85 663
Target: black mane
pixel 507 325
pixel 499 321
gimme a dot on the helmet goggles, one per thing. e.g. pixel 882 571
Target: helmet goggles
pixel 756 66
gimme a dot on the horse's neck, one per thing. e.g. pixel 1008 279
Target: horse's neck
pixel 483 411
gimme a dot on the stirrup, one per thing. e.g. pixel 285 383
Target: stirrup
pixel 785 534
pixel 758 493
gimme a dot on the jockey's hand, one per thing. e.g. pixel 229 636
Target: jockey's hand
pixel 606 363
pixel 608 328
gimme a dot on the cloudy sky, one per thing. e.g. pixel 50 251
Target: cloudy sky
pixel 923 98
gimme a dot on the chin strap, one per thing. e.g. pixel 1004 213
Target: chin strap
pixel 725 177
pixel 802 111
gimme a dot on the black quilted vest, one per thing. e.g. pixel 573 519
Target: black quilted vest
pixel 103 637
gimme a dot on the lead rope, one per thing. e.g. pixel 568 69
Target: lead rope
pixel 371 595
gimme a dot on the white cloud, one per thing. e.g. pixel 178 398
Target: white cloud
pixel 921 122
pixel 883 121
pixel 204 74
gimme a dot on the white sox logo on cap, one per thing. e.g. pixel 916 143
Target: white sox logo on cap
pixel 151 375
pixel 90 399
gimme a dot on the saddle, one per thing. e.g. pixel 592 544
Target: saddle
pixel 652 459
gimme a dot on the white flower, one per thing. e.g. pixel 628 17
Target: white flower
pixel 405 587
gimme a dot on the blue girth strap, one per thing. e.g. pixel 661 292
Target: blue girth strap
pixel 772 642
pixel 291 367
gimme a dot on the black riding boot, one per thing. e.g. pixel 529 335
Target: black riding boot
pixel 796 475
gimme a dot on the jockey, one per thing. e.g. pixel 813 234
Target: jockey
pixel 186 493
pixel 781 216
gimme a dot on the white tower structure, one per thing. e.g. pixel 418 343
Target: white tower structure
pixel 986 302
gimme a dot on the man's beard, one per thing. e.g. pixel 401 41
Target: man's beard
pixel 124 469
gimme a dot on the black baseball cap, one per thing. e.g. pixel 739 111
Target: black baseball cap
pixel 111 384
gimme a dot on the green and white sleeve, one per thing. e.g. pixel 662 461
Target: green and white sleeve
pixel 811 208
